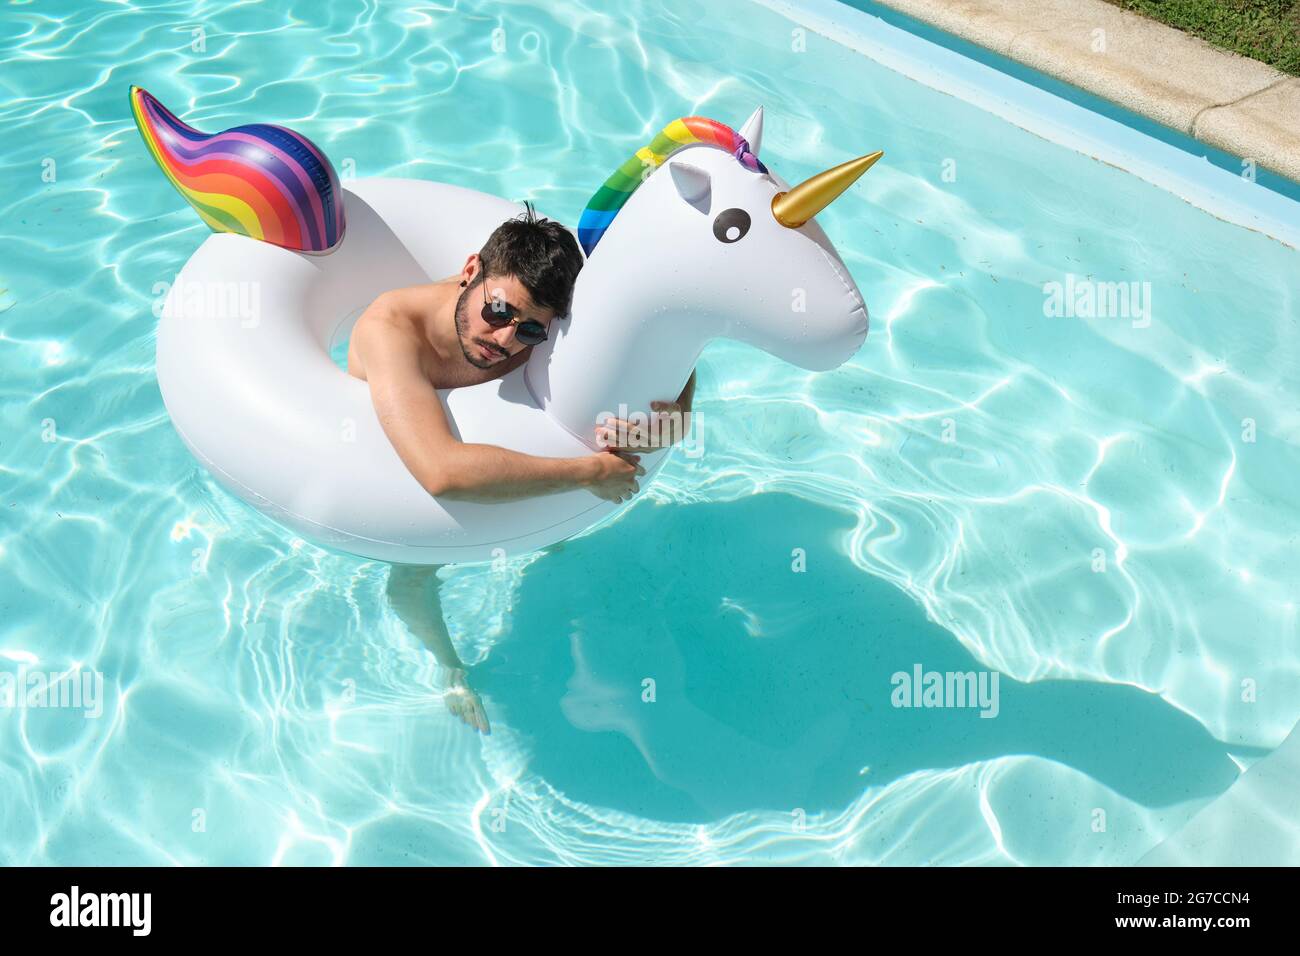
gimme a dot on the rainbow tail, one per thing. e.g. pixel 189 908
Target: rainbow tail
pixel 262 181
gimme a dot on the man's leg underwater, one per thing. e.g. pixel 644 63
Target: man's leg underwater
pixel 413 594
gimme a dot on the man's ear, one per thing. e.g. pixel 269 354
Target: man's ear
pixel 470 271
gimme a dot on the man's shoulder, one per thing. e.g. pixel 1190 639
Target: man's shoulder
pixel 386 326
pixel 385 336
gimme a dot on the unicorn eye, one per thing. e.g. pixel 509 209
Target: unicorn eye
pixel 731 225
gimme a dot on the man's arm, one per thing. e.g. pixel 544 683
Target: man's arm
pixel 414 420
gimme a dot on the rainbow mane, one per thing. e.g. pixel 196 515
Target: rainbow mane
pixel 687 131
pixel 262 181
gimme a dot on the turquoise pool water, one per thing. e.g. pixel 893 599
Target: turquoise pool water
pixel 1101 510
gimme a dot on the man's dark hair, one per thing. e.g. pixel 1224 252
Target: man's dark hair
pixel 540 253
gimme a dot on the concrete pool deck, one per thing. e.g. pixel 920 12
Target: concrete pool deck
pixel 1228 101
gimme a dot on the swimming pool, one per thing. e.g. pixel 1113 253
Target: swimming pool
pixel 1097 504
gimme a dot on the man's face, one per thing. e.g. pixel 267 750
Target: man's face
pixel 485 346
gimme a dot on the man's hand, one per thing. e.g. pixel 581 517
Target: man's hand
pixel 667 425
pixel 613 475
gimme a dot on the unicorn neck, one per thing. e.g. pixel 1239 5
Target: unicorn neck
pixel 623 345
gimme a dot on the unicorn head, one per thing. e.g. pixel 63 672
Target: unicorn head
pixel 691 239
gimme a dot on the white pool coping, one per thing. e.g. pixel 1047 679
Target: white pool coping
pixel 1195 179
pixel 1242 106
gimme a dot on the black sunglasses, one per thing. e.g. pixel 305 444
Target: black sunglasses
pixel 500 314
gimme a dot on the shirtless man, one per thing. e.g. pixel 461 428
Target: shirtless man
pixel 463 330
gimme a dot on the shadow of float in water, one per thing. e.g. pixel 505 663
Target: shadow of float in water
pixel 772 688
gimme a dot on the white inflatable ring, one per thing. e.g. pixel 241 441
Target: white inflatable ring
pixel 697 251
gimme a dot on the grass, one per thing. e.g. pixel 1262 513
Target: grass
pixel 1264 30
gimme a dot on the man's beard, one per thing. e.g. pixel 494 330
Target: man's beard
pixel 471 353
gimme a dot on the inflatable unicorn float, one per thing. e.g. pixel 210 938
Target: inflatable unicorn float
pixel 693 237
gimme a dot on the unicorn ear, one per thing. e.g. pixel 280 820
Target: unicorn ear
pixel 693 184
pixel 752 131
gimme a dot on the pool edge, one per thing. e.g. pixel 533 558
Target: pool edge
pixel 1231 197
pixel 1216 97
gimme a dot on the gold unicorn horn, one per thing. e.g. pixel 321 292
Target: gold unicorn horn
pixel 814 194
